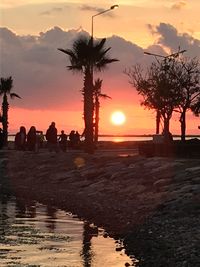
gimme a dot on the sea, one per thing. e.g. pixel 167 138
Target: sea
pixel 124 138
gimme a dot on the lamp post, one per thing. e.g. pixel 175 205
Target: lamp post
pixel 92 31
pixel 102 12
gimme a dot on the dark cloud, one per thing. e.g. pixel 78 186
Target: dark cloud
pixel 179 5
pixel 96 10
pixel 170 38
pixel 52 11
pixel 39 69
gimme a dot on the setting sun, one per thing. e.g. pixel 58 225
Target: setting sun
pixel 118 118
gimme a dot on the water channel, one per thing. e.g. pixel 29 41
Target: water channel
pixel 34 235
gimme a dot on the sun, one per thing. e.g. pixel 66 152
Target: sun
pixel 118 118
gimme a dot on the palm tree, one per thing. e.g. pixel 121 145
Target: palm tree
pixel 86 56
pixel 97 95
pixel 6 86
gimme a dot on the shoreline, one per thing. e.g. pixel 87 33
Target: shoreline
pixel 142 200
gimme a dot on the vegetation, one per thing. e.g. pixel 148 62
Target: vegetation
pixel 6 85
pixel 157 88
pixel 187 74
pixel 168 85
pixel 86 56
pixel 97 95
pixel 196 107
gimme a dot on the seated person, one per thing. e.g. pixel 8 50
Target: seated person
pixel 63 141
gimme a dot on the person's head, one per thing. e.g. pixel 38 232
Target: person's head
pixel 53 124
pixel 62 132
pixel 22 129
pixel 32 129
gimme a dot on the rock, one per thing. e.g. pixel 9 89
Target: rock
pixel 189 188
pixel 162 182
pixel 193 169
pixel 4 162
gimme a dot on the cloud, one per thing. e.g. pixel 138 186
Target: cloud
pixel 52 11
pixel 96 10
pixel 179 5
pixel 169 37
pixel 40 74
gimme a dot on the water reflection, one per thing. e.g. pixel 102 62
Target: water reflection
pixel 51 218
pixel 89 231
pixel 32 234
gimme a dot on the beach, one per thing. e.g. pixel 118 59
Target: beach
pixel 152 203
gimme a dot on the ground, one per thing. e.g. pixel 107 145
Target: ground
pixel 152 203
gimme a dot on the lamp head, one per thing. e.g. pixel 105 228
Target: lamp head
pixel 114 6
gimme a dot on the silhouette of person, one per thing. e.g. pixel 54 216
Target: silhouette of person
pixel 77 139
pixel 72 139
pixel 63 141
pixel 40 137
pixel 32 139
pixel 20 139
pixel 51 136
pixel 1 138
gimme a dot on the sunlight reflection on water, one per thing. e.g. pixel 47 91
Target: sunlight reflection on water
pixel 38 235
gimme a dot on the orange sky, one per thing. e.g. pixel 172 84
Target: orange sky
pixel 36 28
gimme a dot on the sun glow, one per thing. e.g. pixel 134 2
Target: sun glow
pixel 118 118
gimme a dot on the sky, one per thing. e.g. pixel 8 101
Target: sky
pixel 32 30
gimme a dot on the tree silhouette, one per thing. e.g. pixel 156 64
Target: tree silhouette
pixel 86 56
pixel 157 88
pixel 97 95
pixel 187 74
pixel 172 84
pixel 6 86
pixel 196 107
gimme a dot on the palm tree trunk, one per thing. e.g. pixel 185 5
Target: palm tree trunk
pixel 5 107
pixel 88 112
pixel 96 127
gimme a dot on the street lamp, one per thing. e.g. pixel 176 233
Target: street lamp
pixel 95 15
pixel 102 12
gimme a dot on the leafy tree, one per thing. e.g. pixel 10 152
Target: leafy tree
pixel 97 95
pixel 187 73
pixel 157 87
pixel 86 56
pixel 196 107
pixel 6 86
pixel 172 84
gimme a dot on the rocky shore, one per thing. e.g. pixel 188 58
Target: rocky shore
pixel 152 203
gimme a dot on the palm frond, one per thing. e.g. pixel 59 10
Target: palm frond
pixel 13 95
pixel 6 85
pixel 100 44
pixel 103 63
pixel 104 96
